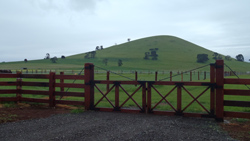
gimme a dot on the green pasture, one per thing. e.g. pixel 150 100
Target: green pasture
pixel 174 54
pixel 163 90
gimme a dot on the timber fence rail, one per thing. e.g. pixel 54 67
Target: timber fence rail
pixel 183 75
pixel 27 89
pixel 92 92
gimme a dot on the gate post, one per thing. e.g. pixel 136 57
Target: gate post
pixel 89 86
pixel 107 88
pixel 212 90
pixel 144 98
pixel 219 90
pixel 179 101
pixel 149 98
pixel 52 82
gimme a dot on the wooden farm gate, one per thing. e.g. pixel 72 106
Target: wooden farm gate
pixel 215 88
pixel 92 93
pixel 145 105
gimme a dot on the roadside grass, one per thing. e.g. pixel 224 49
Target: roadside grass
pixel 241 120
pixel 9 117
pixel 76 111
pixel 130 89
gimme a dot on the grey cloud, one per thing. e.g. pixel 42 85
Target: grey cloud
pixel 81 5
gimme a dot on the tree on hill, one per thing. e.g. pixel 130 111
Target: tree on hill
pixel 240 57
pixel 63 57
pixel 154 55
pixel 228 57
pixel 201 58
pixel 105 61
pixel 128 39
pixel 120 62
pixel 87 55
pixel 97 48
pixel 101 47
pixel 92 53
pixel 146 55
pixel 47 56
pixel 217 56
pixel 54 59
pixel 25 60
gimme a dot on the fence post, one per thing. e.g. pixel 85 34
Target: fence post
pixel 144 102
pixel 219 90
pixel 19 86
pixel 212 91
pixel 62 81
pixel 89 86
pixel 171 75
pixel 179 102
pixel 117 107
pixel 156 73
pixel 108 80
pixel 149 97
pixel 190 75
pixel 52 82
pixel 181 76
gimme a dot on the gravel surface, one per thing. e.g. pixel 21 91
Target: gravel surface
pixel 112 126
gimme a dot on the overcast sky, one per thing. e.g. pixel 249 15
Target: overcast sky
pixel 31 28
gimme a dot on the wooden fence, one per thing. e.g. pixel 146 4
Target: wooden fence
pixel 55 85
pixel 50 84
pixel 196 75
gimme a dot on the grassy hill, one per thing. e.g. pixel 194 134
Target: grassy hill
pixel 173 54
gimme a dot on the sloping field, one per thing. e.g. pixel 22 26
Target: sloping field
pixel 173 54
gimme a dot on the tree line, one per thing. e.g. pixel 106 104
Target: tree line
pixel 202 58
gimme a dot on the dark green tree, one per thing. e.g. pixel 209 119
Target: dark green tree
pixel 219 57
pixel 120 62
pixel 54 59
pixel 146 55
pixel 47 56
pixel 105 61
pixel 97 48
pixel 228 58
pixel 153 54
pixel 92 53
pixel 215 55
pixel 240 57
pixel 87 55
pixel 201 58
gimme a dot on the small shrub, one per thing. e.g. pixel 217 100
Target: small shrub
pixel 242 120
pixel 9 105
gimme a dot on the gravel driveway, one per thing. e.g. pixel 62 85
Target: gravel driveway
pixel 112 126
